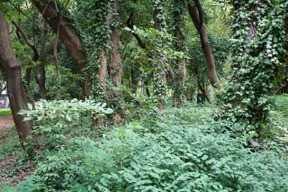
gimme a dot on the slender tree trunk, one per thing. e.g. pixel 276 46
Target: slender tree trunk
pixel 134 82
pixel 197 18
pixel 41 82
pixel 147 88
pixel 12 69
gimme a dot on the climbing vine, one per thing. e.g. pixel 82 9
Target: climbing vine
pixel 258 56
pixel 178 8
pixel 159 62
pixel 95 34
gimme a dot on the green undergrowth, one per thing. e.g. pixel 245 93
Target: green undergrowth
pixel 4 112
pixel 178 150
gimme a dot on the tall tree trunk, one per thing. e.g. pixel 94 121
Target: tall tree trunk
pixel 181 73
pixel 160 68
pixel 102 77
pixel 116 67
pixel 12 69
pixel 197 18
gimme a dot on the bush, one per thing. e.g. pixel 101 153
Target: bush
pixel 4 112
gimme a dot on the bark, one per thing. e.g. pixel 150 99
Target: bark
pixel 196 15
pixel 12 69
pixel 116 67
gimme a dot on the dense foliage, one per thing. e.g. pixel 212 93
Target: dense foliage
pixel 186 154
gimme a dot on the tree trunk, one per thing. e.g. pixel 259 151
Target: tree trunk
pixel 12 69
pixel 134 82
pixel 181 73
pixel 41 82
pixel 116 68
pixel 197 18
pixel 160 68
pixel 102 77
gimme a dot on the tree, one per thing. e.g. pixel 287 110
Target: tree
pixel 16 92
pixel 196 15
pixel 258 54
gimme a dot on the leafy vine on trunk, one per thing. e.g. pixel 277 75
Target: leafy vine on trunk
pixel 258 55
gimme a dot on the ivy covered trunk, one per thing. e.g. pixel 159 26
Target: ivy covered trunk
pixel 198 21
pixel 12 70
pixel 159 76
pixel 258 53
pixel 179 84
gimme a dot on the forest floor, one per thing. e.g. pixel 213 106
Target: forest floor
pixel 8 161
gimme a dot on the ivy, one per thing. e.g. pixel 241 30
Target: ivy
pixel 95 34
pixel 258 55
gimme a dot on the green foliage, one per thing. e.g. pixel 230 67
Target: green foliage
pixel 185 155
pixel 4 112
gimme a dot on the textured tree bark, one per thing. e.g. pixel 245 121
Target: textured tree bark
pixel 197 18
pixel 12 69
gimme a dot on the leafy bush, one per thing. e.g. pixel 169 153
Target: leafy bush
pixel 184 156
pixel 55 120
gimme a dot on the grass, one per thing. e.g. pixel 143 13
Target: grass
pixel 4 112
